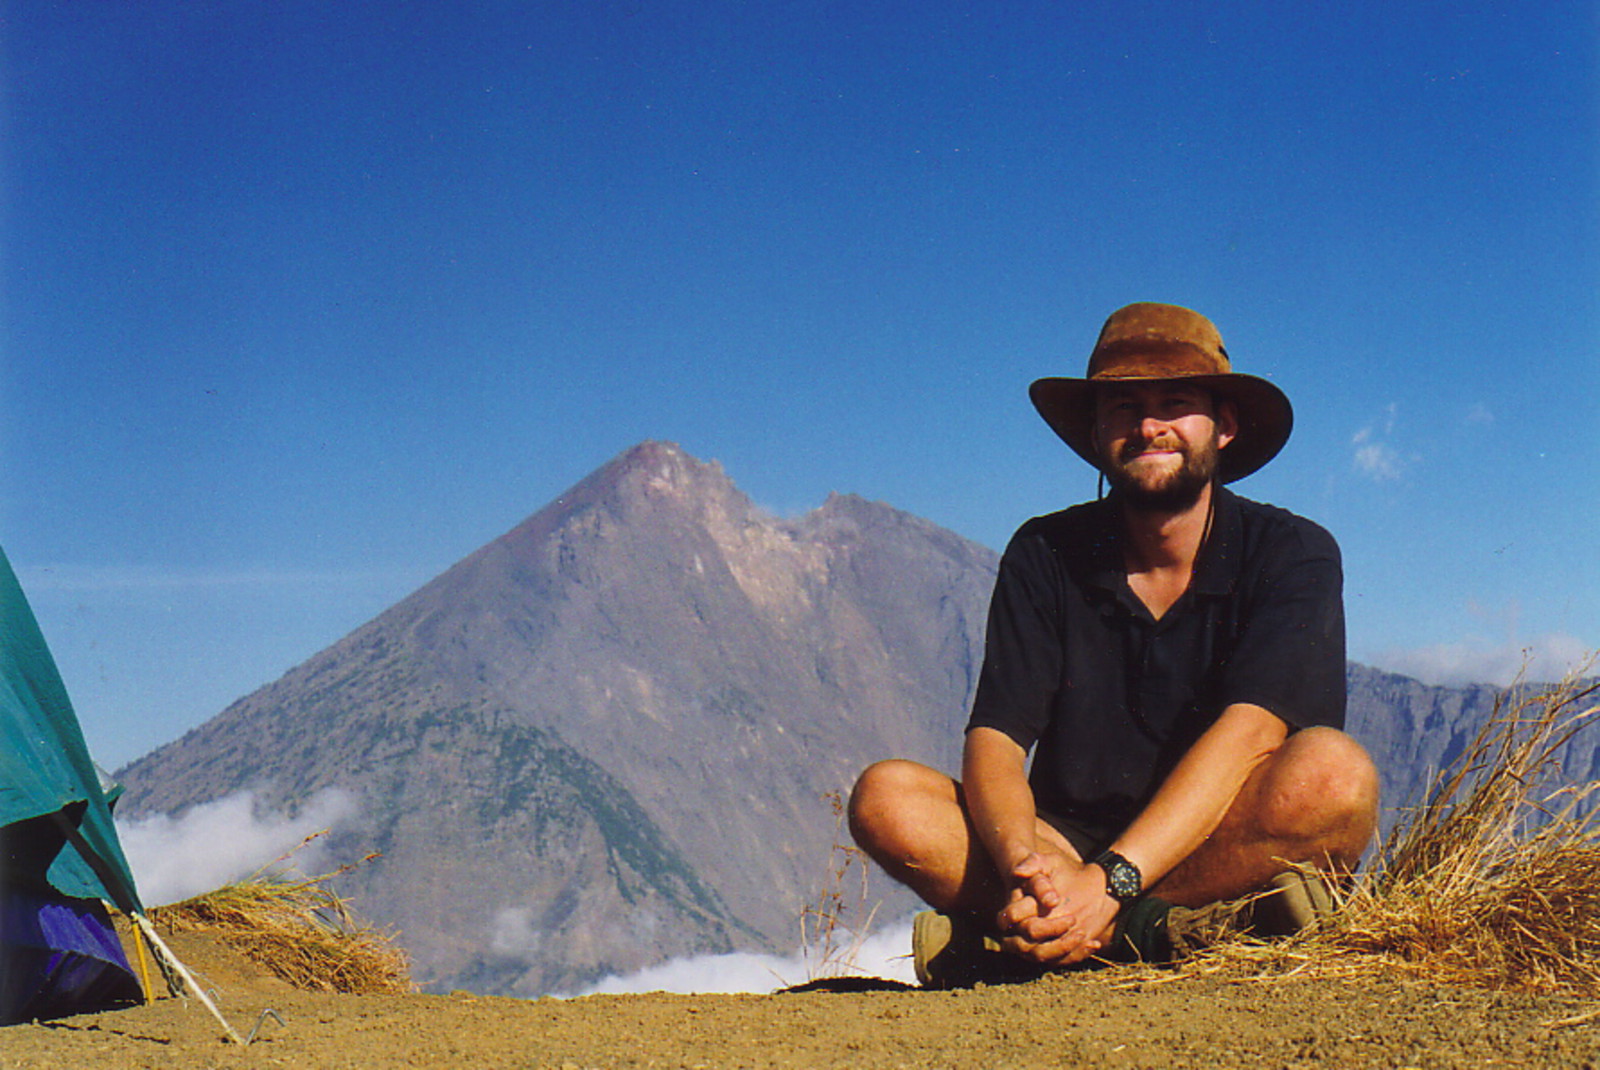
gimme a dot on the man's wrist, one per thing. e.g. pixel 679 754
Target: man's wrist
pixel 1124 882
pixel 1013 854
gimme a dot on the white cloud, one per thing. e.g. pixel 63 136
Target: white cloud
pixel 214 843
pixel 512 934
pixel 1375 457
pixel 1476 661
pixel 885 953
pixel 1379 461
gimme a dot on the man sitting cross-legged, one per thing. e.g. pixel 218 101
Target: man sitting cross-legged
pixel 1173 657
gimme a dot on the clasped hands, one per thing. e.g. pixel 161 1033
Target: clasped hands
pixel 1058 911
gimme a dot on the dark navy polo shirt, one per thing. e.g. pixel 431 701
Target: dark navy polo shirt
pixel 1108 698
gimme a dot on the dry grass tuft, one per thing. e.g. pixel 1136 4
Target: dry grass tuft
pixel 833 928
pixel 1491 881
pixel 299 930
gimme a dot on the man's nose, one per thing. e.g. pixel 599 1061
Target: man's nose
pixel 1151 427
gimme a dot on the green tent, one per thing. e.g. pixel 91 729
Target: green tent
pixel 59 855
pixel 45 770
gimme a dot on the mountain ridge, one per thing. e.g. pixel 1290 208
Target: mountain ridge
pixel 725 669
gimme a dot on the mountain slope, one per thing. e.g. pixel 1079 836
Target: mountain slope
pixel 709 669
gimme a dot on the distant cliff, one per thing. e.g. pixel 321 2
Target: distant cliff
pixel 1411 729
pixel 1414 731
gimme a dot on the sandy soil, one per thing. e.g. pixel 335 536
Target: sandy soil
pixel 1111 1019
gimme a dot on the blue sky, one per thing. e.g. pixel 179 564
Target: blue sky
pixel 303 302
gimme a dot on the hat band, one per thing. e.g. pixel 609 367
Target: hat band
pixel 1175 360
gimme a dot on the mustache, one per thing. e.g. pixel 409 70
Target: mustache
pixel 1166 442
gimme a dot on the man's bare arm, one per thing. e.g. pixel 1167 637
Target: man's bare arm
pixel 1185 810
pixel 1040 918
pixel 999 800
pixel 1196 795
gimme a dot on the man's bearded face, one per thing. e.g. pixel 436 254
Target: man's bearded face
pixel 1159 444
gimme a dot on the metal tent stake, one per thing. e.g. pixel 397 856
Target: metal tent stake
pixel 182 971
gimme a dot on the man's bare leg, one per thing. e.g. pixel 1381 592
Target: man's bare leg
pixel 1314 800
pixel 912 821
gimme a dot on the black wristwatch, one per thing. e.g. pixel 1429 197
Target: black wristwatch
pixel 1123 879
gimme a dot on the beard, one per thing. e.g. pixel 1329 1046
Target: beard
pixel 1169 490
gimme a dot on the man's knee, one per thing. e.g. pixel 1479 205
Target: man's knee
pixel 880 800
pixel 1322 780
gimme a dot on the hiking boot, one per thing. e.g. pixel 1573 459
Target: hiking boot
pixel 953 951
pixel 1292 902
pixel 1153 931
pixel 1141 934
pixel 1191 930
pixel 1295 900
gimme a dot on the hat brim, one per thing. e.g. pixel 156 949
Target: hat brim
pixel 1265 416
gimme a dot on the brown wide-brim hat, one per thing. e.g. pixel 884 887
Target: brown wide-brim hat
pixel 1148 342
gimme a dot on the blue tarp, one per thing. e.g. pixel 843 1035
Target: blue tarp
pixel 61 957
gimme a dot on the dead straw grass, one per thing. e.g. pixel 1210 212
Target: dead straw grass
pixel 1494 880
pixel 299 930
pixel 833 927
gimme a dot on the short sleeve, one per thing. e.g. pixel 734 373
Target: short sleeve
pixel 1022 661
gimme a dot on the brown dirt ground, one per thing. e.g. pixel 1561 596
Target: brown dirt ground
pixel 1109 1019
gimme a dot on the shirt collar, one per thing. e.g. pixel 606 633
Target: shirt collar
pixel 1216 569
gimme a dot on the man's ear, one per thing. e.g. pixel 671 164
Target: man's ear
pixel 1227 422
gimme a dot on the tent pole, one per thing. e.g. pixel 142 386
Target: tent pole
pixel 165 952
pixel 144 964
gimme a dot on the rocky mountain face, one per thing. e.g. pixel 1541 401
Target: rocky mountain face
pixel 1411 730
pixel 609 737
pixel 1414 732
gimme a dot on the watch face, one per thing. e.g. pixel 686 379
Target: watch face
pixel 1122 877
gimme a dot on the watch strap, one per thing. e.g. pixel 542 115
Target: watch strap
pixel 1124 882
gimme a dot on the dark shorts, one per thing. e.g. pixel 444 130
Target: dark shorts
pixel 1086 838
